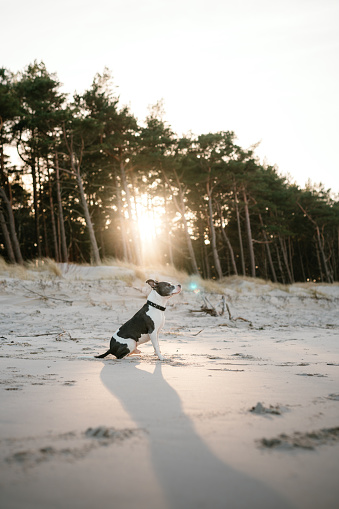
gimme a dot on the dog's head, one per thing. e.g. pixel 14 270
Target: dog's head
pixel 163 288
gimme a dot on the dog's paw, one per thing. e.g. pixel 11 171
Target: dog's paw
pixel 161 357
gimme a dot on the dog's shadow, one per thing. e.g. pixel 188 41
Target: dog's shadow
pixel 188 472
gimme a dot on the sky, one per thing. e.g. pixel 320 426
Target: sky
pixel 267 70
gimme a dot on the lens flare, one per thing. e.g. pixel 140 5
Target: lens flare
pixel 194 287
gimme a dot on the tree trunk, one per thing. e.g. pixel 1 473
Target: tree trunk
pixel 182 210
pixel 230 248
pixel 335 259
pixel 125 255
pixel 228 242
pixel 7 239
pixel 329 277
pixel 35 202
pixel 76 171
pixel 59 237
pixel 206 262
pixel 64 251
pixel 51 204
pixel 45 234
pixel 265 262
pixel 285 257
pixel 102 243
pixel 268 251
pixel 14 238
pixel 290 254
pixel 44 239
pixel 188 237
pixel 215 253
pixel 280 265
pixel 205 267
pixel 94 245
pixel 36 211
pixel 132 225
pixel 331 260
pixel 319 262
pixel 169 237
pixel 242 257
pixel 189 240
pixel 301 263
pixel 249 235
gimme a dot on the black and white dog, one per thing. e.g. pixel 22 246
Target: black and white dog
pixel 145 325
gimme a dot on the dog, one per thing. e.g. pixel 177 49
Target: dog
pixel 145 325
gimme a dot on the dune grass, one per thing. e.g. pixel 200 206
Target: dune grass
pixel 43 267
pixel 134 274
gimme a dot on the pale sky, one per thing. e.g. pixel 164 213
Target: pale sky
pixel 267 70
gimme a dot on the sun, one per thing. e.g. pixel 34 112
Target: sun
pixel 150 224
pixel 147 225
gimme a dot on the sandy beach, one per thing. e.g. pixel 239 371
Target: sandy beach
pixel 243 412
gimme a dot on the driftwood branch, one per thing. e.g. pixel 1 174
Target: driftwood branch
pixel 45 297
pixel 209 309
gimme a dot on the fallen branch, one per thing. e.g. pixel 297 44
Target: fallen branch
pixel 45 296
pixel 243 319
pixel 204 309
pixel 35 335
pixel 229 312
pixel 209 309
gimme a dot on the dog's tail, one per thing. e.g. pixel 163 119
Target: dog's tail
pixel 103 354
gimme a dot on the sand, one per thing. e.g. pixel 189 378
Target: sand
pixel 244 412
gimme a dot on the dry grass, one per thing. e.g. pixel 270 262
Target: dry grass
pixel 44 267
pixel 236 281
pixel 169 272
pixel 155 271
pixel 12 270
pixel 47 268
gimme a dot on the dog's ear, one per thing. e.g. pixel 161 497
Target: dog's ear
pixel 151 282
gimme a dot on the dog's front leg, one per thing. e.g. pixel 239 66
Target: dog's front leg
pixel 155 343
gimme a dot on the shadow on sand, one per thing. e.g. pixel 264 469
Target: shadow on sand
pixel 189 474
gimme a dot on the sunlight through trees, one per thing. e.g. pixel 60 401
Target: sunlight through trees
pixel 93 182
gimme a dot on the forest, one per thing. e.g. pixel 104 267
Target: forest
pixel 82 180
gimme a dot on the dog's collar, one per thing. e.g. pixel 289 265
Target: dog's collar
pixel 156 305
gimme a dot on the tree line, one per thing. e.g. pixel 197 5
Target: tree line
pixel 78 175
